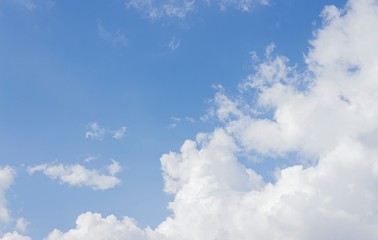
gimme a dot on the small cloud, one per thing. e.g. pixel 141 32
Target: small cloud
pixel 174 44
pixel 22 224
pixel 91 158
pixel 94 131
pixel 114 168
pixel 77 175
pixel 120 133
pixel 115 38
pixel 176 120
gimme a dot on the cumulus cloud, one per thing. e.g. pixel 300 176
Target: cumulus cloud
pixel 94 226
pixel 327 115
pixel 78 175
pixel 14 236
pixel 180 8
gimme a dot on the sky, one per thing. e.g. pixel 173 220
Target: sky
pixel 183 119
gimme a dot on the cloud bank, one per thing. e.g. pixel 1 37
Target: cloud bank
pixel 78 175
pixel 326 115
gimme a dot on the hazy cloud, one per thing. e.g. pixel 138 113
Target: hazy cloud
pixel 27 4
pixel 120 133
pixel 116 37
pixel 174 44
pixel 6 179
pixel 94 131
pixel 180 8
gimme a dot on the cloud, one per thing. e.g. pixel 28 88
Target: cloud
pixel 14 236
pixel 6 179
pixel 326 115
pixel 22 224
pixel 120 133
pixel 115 38
pixel 154 9
pixel 177 120
pixel 174 44
pixel 94 131
pixel 78 175
pixel 91 158
pixel 94 226
pixel 181 8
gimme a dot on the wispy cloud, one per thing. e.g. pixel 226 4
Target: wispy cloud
pixel 120 133
pixel 177 120
pixel 94 131
pixel 174 44
pixel 22 224
pixel 181 8
pixel 78 175
pixel 116 37
pixel 27 4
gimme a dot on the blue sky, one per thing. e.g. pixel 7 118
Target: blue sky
pixel 74 73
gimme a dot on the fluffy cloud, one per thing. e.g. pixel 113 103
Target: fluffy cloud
pixel 326 115
pixel 78 175
pixel 180 8
pixel 94 226
pixel 94 131
pixel 14 236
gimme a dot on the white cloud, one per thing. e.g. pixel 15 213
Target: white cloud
pixel 327 115
pixel 181 8
pixel 94 131
pixel 22 224
pixel 91 158
pixel 14 236
pixel 6 179
pixel 154 9
pixel 174 44
pixel 94 226
pixel 115 38
pixel 120 133
pixel 78 175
